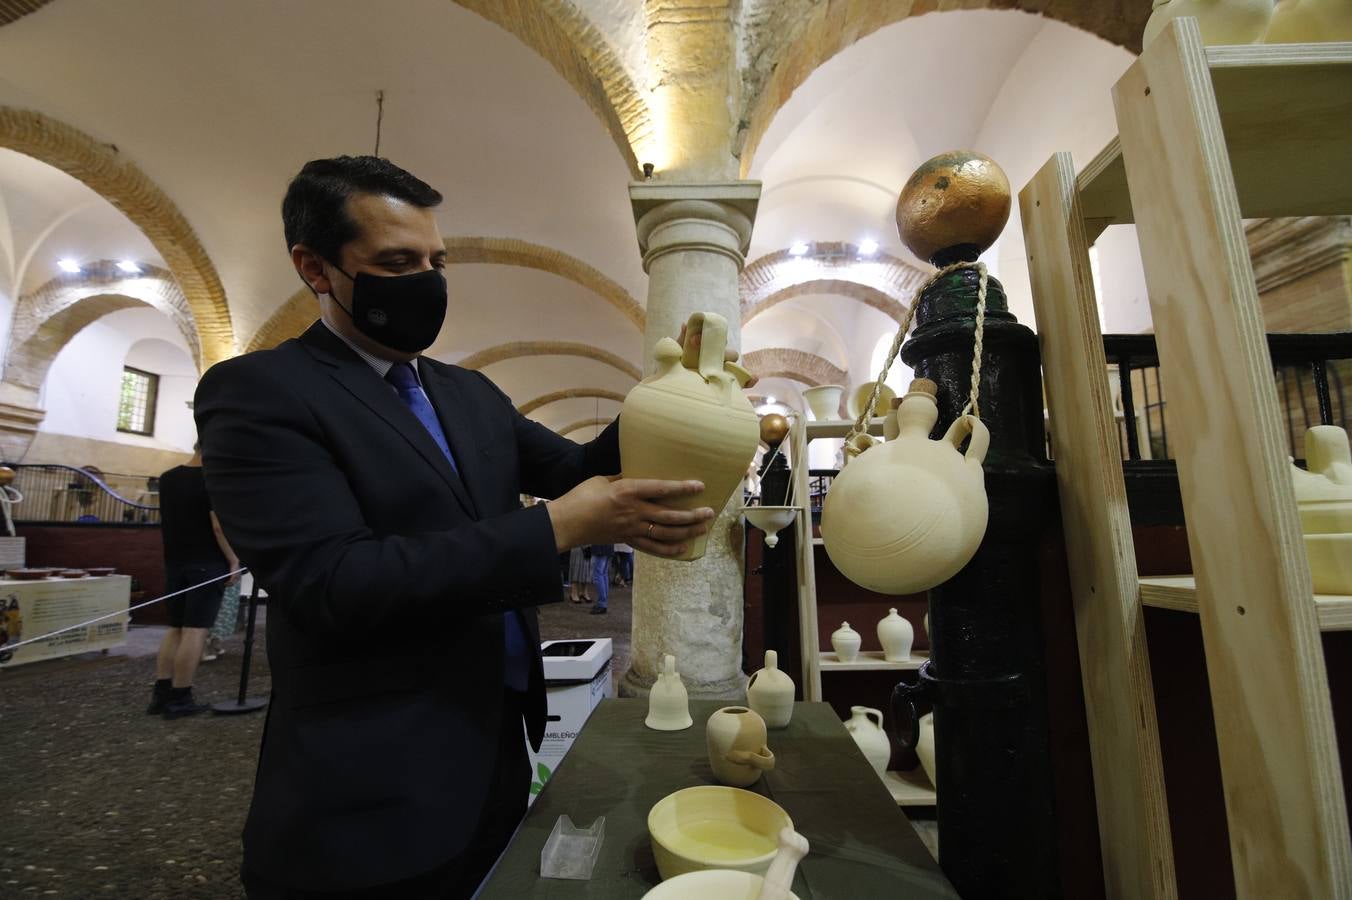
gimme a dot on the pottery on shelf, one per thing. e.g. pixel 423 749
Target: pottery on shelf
pixel 845 641
pixel 770 692
pixel 1310 21
pixel 859 397
pixel 865 725
pixel 736 740
pixel 691 421
pixel 896 635
pixel 908 514
pixel 771 520
pixel 924 747
pixel 1220 21
pixel 668 704
pixel 1324 497
pixel 824 401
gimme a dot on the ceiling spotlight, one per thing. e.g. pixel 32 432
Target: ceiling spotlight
pixel 868 247
pixel 799 248
pixel 68 265
pixel 129 267
pixel 770 401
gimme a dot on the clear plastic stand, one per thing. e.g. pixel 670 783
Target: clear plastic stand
pixel 570 851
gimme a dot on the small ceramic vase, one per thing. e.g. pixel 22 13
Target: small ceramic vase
pixel 824 401
pixel 738 753
pixel 845 641
pixel 865 725
pixel 896 635
pixel 908 514
pixel 668 705
pixel 769 693
pixel 924 747
pixel 691 421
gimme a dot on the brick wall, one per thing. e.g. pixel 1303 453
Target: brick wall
pixel 134 550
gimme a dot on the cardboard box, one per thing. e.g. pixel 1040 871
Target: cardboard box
pixel 577 677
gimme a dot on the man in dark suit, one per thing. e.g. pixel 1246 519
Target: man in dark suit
pixel 375 495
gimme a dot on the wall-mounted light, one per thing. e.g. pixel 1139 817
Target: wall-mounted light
pixel 129 267
pixel 68 266
pixel 799 248
pixel 868 247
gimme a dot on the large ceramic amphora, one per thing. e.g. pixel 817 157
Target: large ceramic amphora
pixel 691 420
pixel 906 515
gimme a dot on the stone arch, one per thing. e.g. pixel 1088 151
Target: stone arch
pixel 580 53
pixel 570 394
pixel 799 365
pixel 520 349
pixel 883 282
pixel 584 423
pixel 299 310
pixel 104 170
pixel 786 41
pixel 46 319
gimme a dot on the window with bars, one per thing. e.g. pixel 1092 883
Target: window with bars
pixel 136 404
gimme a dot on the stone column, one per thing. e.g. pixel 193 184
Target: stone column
pixel 693 237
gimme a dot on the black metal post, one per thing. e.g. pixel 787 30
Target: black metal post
pixel 1321 390
pixel 243 704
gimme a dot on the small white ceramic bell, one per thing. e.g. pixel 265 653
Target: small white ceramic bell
pixel 769 693
pixel 738 753
pixel 865 725
pixel 924 747
pixel 1310 21
pixel 845 641
pixel 824 401
pixel 1220 21
pixel 896 635
pixel 668 704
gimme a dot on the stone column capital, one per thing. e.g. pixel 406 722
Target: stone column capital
pixel 709 217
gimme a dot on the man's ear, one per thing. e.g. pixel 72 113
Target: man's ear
pixel 311 269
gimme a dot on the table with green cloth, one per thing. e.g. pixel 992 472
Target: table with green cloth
pixel 862 844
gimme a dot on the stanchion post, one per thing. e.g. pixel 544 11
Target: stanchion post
pixel 243 704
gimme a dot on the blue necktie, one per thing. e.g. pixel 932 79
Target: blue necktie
pixel 405 381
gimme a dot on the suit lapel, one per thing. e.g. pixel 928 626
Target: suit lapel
pixel 457 423
pixel 361 381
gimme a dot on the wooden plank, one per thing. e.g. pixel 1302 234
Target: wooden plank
pixel 910 788
pixel 807 566
pixel 839 428
pixel 1102 186
pixel 871 661
pixel 1274 725
pixel 1179 593
pixel 1133 816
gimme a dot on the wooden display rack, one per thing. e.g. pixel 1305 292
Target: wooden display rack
pixel 1208 136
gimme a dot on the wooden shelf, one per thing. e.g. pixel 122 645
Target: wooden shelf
pixel 1286 111
pixel 1179 593
pixel 871 661
pixel 910 788
pixel 838 428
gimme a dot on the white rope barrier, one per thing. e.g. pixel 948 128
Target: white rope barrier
pixel 5 648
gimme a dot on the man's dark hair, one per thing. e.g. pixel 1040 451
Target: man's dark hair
pixel 314 211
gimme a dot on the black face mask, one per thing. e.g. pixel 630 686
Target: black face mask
pixel 402 312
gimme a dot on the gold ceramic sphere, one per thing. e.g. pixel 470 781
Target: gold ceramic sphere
pixel 956 198
pixel 6 476
pixel 773 429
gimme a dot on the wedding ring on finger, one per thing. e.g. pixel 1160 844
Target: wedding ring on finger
pixel 651 526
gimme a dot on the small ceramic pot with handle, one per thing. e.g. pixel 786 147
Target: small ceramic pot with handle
pixel 738 752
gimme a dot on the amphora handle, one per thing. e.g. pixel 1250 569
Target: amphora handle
pixel 763 759
pixel 713 331
pixel 981 437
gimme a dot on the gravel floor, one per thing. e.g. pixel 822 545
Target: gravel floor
pixel 99 799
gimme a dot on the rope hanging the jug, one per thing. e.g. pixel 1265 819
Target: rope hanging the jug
pixel 858 440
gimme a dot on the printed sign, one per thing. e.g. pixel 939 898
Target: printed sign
pixel 32 608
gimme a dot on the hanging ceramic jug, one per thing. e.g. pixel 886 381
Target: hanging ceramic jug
pixel 906 515
pixel 1324 497
pixel 845 641
pixel 738 753
pixel 865 725
pixel 896 635
pixel 691 421
pixel 824 401
pixel 668 704
pixel 769 693
pixel 924 747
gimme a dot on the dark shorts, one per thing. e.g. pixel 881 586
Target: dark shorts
pixel 198 608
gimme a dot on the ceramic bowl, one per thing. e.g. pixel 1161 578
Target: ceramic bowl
pixel 28 574
pixel 710 884
pixel 73 573
pixel 859 396
pixel 715 827
pixel 100 571
pixel 1330 558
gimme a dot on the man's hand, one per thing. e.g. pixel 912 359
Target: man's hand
pixel 604 510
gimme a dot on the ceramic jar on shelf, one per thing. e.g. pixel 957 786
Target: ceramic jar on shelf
pixel 865 725
pixel 691 420
pixel 668 703
pixel 896 635
pixel 736 741
pixel 1324 497
pixel 770 692
pixel 824 401
pixel 845 641
pixel 924 747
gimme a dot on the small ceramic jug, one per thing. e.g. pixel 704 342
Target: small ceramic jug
pixel 924 746
pixel 845 641
pixel 691 421
pixel 896 635
pixel 738 753
pixel 865 725
pixel 769 693
pixel 906 515
pixel 668 704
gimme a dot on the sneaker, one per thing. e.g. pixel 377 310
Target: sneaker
pixel 187 705
pixel 598 610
